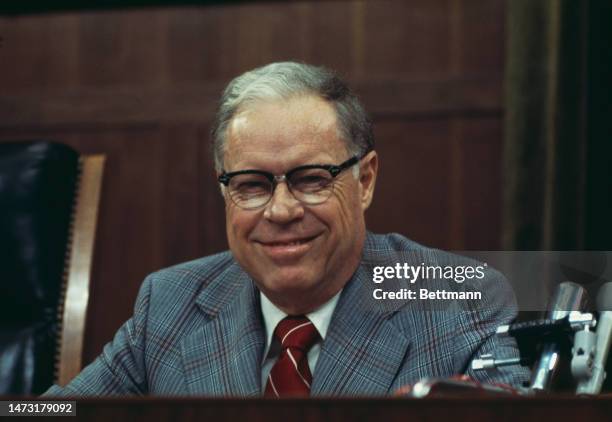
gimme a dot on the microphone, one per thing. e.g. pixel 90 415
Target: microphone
pixel 602 343
pixel 539 328
pixel 568 297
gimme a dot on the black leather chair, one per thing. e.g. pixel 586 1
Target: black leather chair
pixel 39 184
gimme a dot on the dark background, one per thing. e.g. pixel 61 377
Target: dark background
pixel 140 84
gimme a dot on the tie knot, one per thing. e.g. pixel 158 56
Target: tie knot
pixel 296 332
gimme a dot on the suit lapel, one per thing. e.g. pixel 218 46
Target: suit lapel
pixel 363 351
pixel 223 357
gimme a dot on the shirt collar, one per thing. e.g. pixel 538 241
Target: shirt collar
pixel 320 318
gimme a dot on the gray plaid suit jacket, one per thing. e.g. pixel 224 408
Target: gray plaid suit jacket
pixel 197 330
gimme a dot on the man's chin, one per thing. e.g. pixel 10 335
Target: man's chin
pixel 289 281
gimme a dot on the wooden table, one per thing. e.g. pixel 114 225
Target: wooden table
pixel 547 409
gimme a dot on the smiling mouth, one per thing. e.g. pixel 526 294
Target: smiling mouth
pixel 287 250
pixel 290 243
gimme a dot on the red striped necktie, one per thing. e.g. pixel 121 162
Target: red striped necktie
pixel 290 375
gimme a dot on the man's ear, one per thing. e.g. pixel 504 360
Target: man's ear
pixel 367 178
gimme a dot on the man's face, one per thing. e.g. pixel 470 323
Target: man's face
pixel 299 255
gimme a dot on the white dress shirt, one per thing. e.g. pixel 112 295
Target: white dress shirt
pixel 320 318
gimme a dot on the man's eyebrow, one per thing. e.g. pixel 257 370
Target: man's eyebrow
pixel 269 172
pixel 328 162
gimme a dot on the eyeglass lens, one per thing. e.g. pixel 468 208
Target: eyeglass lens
pixel 310 186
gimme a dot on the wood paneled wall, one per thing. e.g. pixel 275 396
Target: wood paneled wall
pixel 141 86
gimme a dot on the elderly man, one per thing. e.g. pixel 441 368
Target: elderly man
pixel 289 309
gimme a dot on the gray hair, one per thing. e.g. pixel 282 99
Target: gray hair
pixel 282 81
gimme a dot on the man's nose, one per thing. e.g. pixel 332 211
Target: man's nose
pixel 283 206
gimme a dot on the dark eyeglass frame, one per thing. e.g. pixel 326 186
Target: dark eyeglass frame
pixel 334 170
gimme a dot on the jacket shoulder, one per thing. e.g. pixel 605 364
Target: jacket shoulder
pixel 185 281
pixel 392 249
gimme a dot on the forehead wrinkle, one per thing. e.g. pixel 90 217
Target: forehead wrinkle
pixel 290 121
pixel 302 129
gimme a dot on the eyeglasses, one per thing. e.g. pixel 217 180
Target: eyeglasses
pixel 311 184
